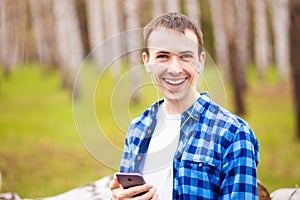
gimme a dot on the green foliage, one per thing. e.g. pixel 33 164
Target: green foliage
pixel 42 155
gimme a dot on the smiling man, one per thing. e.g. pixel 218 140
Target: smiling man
pixel 185 145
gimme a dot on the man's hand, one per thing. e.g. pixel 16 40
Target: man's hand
pixel 118 193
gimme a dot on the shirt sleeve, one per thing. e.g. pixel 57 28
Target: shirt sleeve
pixel 239 177
pixel 126 165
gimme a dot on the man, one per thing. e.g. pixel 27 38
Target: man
pixel 185 145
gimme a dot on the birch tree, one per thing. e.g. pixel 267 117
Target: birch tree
pixel 280 22
pixel 11 26
pixel 261 37
pixel 193 10
pixel 41 15
pixel 242 37
pixel 295 59
pixel 133 41
pixel 95 30
pixel 112 28
pixel 233 23
pixel 173 5
pixel 220 39
pixel 4 47
pixel 68 39
pixel 157 8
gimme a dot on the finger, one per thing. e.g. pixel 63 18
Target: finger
pixel 155 196
pixel 151 194
pixel 138 189
pixel 114 183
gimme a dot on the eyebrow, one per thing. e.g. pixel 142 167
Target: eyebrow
pixel 186 52
pixel 163 52
pixel 179 53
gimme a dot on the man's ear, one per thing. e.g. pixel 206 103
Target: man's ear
pixel 200 66
pixel 145 58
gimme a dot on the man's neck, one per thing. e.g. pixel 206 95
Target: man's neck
pixel 178 107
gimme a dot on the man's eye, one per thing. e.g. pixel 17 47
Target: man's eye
pixel 186 56
pixel 162 56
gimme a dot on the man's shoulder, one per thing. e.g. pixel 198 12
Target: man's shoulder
pixel 218 112
pixel 226 124
pixel 146 117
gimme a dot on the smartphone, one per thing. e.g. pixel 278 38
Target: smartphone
pixel 128 180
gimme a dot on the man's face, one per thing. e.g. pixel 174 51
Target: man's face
pixel 174 62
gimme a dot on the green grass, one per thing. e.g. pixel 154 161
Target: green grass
pixel 41 153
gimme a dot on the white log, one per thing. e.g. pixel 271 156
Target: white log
pixel 286 194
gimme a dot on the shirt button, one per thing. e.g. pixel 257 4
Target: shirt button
pixel 196 115
pixel 200 164
pixel 149 131
pixel 139 158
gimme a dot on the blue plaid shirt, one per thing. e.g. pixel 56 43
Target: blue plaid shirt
pixel 217 154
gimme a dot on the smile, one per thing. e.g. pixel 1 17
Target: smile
pixel 174 82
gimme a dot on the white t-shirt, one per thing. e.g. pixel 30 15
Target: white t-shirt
pixel 158 166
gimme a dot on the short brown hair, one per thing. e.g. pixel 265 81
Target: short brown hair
pixel 175 21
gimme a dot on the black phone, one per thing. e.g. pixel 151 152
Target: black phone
pixel 128 180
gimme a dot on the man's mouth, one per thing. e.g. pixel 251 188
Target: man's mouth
pixel 174 82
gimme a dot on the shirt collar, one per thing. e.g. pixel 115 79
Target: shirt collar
pixel 193 112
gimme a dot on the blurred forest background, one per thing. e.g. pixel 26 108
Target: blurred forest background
pixel 255 44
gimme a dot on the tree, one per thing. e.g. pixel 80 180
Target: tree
pixel 242 40
pixel 220 39
pixel 157 8
pixel 133 41
pixel 4 48
pixel 13 34
pixel 231 52
pixel 95 30
pixel 280 21
pixel 173 5
pixel 41 15
pixel 68 40
pixel 295 58
pixel 112 28
pixel 193 10
pixel 235 18
pixel 261 37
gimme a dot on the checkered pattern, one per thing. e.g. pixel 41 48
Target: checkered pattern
pixel 217 153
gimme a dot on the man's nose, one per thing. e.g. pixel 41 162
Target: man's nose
pixel 175 66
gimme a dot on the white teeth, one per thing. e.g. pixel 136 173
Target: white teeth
pixel 174 82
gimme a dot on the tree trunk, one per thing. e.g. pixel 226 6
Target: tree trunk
pixel 44 37
pixel 9 42
pixel 4 48
pixel 68 40
pixel 193 10
pixel 242 56
pixel 280 21
pixel 220 39
pixel 95 30
pixel 233 22
pixel 112 27
pixel 295 58
pixel 261 38
pixel 133 39
pixel 157 8
pixel 173 5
